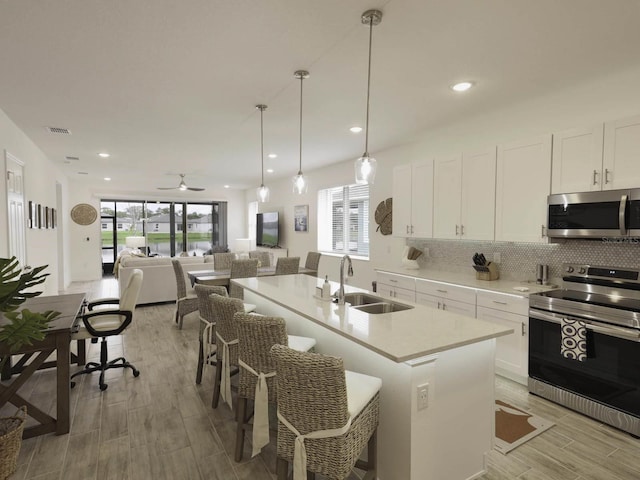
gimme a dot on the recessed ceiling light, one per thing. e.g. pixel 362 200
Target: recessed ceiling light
pixel 272 155
pixel 104 155
pixel 226 186
pixel 462 86
pixel 356 129
pixel 269 170
pixel 108 179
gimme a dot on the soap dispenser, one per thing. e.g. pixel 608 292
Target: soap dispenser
pixel 326 287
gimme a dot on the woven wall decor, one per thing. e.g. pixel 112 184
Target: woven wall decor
pixel 384 215
pixel 84 214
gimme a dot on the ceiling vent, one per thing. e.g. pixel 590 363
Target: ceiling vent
pixel 58 130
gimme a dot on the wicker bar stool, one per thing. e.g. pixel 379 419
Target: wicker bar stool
pixel 256 335
pixel 208 319
pixel 264 257
pixel 187 301
pixel 312 261
pixel 329 413
pixel 222 261
pixel 227 341
pixel 287 265
pixel 242 269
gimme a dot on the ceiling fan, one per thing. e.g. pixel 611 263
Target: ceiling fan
pixel 182 186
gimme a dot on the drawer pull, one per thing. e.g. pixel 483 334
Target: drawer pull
pixel 500 303
pixel 393 281
pixel 442 291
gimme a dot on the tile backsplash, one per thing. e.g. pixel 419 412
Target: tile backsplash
pixel 518 260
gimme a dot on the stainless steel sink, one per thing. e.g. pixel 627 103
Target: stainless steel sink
pixel 356 299
pixel 383 307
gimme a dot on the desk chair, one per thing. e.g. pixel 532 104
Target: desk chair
pixel 187 301
pixel 330 413
pixel 256 335
pixel 108 322
pixel 287 265
pixel 241 269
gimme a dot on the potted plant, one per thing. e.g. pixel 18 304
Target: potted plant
pixel 23 328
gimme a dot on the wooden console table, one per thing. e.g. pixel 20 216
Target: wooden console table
pixel 57 341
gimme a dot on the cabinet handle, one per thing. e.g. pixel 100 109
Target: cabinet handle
pixel 461 229
pixel 524 329
pixel 500 303
pixel 407 228
pixel 595 177
pixel 442 291
pixel 444 306
pixel 456 229
pixel 606 176
pixel 542 231
pixel 438 305
pixel 411 229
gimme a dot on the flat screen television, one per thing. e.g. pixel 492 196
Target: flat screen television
pixel 267 229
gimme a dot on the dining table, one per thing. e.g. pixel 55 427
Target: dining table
pixel 222 277
pixel 34 357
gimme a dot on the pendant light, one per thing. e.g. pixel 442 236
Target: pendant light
pixel 262 191
pixel 366 165
pixel 300 184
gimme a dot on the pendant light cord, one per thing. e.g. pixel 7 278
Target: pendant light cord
pixel 262 146
pixel 300 164
pixel 366 131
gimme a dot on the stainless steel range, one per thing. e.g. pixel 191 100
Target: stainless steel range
pixel 584 344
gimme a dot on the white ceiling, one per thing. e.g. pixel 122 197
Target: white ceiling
pixel 171 86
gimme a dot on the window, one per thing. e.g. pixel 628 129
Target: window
pixel 343 220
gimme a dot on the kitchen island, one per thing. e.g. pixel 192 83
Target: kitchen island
pixel 446 354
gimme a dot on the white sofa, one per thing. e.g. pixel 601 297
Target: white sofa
pixel 159 281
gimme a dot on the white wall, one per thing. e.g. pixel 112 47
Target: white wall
pixel 599 100
pixel 41 176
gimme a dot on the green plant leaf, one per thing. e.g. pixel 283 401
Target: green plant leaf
pixel 13 282
pixel 24 327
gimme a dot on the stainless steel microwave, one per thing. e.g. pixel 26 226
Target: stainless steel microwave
pixel 596 215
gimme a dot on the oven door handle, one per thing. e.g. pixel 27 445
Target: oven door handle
pixel 620 332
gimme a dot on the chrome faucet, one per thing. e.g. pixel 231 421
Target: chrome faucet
pixel 340 293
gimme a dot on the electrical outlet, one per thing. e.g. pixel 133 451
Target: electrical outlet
pixel 497 257
pixel 422 392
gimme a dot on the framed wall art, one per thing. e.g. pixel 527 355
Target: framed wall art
pixel 39 215
pixel 301 218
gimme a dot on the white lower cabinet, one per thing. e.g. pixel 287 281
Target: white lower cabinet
pixel 398 287
pixel 445 296
pixel 512 351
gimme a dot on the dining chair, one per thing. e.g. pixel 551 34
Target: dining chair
pixel 264 257
pixel 312 260
pixel 106 322
pixel 287 265
pixel 245 268
pixel 256 335
pixel 326 416
pixel 207 331
pixel 187 301
pixel 222 261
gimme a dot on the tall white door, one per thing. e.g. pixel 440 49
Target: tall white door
pixel 14 175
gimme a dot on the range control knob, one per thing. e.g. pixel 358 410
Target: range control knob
pixel 569 269
pixel 582 270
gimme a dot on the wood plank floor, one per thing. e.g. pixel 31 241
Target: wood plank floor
pixel 161 424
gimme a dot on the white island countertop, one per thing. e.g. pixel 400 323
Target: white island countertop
pixel 400 336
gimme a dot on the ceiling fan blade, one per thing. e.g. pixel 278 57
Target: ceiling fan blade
pixel 166 188
pixel 195 189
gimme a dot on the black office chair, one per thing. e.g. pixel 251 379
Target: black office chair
pixel 107 322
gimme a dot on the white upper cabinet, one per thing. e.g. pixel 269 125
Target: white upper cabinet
pixel 464 196
pixel 577 160
pixel 621 158
pixel 522 185
pixel 413 200
pixel 478 206
pixel 447 196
